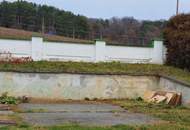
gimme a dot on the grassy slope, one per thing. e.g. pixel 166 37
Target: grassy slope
pixel 7 33
pixel 99 68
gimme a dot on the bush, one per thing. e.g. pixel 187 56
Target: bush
pixel 5 99
pixel 177 36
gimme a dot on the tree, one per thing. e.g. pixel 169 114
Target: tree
pixel 50 20
pixel 177 36
pixel 33 17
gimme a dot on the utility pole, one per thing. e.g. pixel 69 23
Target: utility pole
pixel 101 35
pixel 177 8
pixel 43 25
pixel 73 32
pixel 18 12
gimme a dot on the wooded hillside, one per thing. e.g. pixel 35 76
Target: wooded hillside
pixel 53 21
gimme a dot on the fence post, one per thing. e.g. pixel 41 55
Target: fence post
pixel 158 52
pixel 37 48
pixel 100 51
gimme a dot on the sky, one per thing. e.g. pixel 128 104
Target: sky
pixel 139 9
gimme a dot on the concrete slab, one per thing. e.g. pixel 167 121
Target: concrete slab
pixel 71 107
pixel 84 114
pixel 95 119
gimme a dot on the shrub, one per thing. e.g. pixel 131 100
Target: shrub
pixel 5 99
pixel 177 36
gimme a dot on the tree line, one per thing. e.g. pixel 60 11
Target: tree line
pixel 127 29
pixel 41 18
pixel 50 20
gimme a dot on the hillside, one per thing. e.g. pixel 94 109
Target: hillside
pixel 51 20
pixel 7 33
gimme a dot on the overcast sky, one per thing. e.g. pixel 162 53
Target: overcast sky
pixel 139 9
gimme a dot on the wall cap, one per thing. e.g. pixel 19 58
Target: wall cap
pixel 99 40
pixel 158 39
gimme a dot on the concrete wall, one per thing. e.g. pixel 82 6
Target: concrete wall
pixel 81 86
pixel 129 54
pixel 69 51
pixel 98 52
pixel 176 86
pixel 75 86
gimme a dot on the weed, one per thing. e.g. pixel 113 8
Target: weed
pixel 5 99
pixel 87 99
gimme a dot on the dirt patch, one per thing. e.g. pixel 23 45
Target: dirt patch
pixel 9 33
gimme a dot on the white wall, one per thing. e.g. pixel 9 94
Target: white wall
pixel 69 51
pixel 129 54
pixel 98 52
pixel 158 51
pixel 18 48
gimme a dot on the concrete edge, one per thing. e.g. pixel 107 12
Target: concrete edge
pixel 173 79
pixel 176 80
pixel 82 73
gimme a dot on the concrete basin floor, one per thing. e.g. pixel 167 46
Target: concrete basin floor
pixel 82 114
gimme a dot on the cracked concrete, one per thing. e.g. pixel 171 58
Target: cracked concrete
pixel 83 114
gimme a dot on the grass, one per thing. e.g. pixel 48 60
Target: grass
pixel 5 117
pixel 12 117
pixel 173 118
pixel 98 68
pixel 34 111
pixel 177 118
pixel 119 127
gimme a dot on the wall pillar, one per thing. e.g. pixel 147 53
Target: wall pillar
pixel 100 49
pixel 158 52
pixel 37 48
